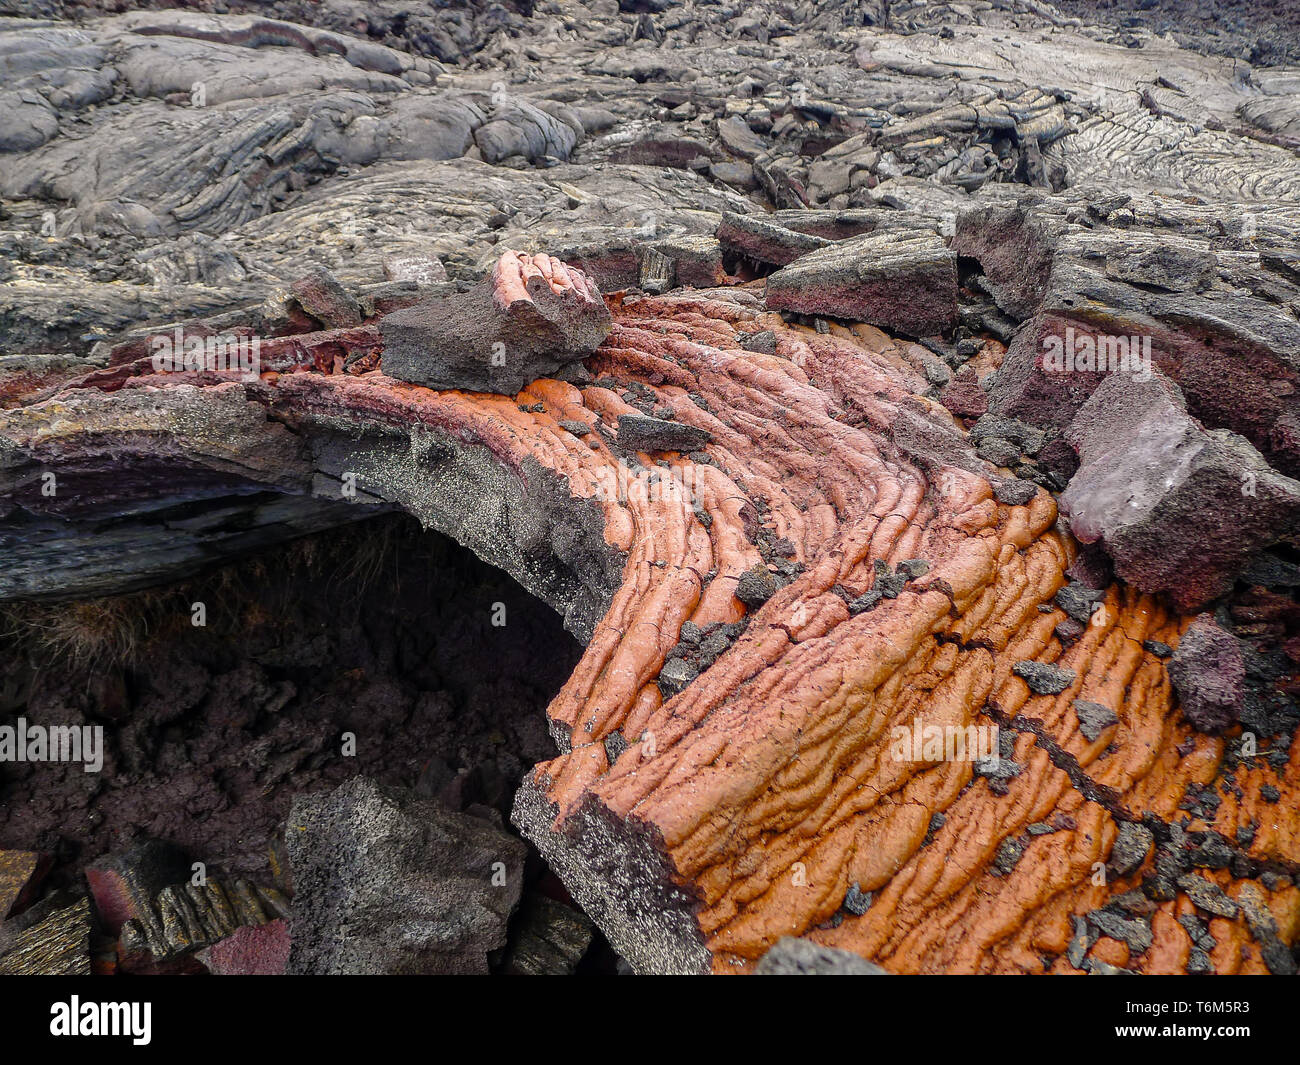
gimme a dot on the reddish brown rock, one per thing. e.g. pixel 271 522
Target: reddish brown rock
pixel 964 396
pixel 1179 509
pixel 256 950
pixel 782 784
pixel 1209 673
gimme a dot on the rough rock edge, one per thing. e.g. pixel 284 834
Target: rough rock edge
pixel 618 874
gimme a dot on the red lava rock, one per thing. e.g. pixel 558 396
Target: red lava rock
pixel 964 396
pixel 1179 509
pixel 253 950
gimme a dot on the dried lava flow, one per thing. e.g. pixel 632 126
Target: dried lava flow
pixel 768 782
pixel 700 829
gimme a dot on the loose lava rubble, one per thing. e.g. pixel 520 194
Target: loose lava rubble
pixel 500 478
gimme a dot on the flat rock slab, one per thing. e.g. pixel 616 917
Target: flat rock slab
pixel 765 241
pixel 531 317
pixel 904 283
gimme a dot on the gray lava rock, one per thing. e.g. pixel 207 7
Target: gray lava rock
pixel 1014 492
pixel 1209 672
pixel 1208 896
pixel 548 939
pixel 675 676
pixel 991 427
pixel 857 901
pixel 1077 600
pixel 1044 679
pixel 637 432
pixel 1137 934
pixel 998 451
pixel 756 586
pixel 764 343
pixel 386 883
pixel 26 121
pixel 799 957
pixel 1094 718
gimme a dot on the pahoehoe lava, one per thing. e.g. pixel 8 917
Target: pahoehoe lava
pixel 593 486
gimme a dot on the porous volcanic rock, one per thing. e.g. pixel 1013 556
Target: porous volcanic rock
pixel 531 317
pixel 389 884
pixel 1179 508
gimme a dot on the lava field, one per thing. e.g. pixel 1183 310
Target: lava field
pixel 608 487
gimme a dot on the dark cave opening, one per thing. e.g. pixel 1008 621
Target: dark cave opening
pixel 376 649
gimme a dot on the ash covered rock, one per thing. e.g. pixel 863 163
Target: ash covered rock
pixel 386 883
pixel 531 317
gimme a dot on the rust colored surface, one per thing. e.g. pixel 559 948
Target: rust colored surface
pixel 770 789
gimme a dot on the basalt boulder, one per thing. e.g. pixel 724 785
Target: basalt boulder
pixel 902 282
pixel 531 317
pixel 1180 509
pixel 388 883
